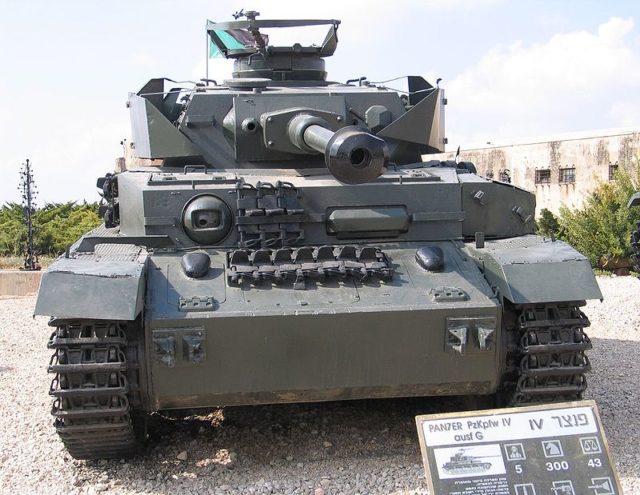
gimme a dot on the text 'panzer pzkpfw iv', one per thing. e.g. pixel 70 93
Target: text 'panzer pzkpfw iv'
pixel 289 244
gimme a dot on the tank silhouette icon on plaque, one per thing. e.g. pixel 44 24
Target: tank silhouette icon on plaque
pixel 465 464
pixel 469 461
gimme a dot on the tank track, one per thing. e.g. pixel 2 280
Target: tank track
pixel 546 359
pixel 635 245
pixel 95 387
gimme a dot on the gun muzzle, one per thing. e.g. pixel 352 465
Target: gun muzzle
pixel 351 154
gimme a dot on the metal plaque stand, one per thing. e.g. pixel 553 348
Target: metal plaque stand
pixel 553 449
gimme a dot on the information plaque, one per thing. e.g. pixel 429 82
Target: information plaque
pixel 554 449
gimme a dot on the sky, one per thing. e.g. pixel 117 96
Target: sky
pixel 511 69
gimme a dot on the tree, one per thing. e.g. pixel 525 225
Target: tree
pixel 56 226
pixel 13 231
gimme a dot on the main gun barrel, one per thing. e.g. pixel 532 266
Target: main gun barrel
pixel 351 154
pixel 317 137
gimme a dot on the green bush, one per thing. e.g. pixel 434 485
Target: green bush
pixel 56 225
pixel 601 229
pixel 13 233
pixel 548 224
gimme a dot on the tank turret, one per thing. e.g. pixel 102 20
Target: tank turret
pixel 279 111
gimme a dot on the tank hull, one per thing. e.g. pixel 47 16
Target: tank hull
pixel 270 343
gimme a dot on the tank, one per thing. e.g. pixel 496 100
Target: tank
pixel 460 463
pixel 280 238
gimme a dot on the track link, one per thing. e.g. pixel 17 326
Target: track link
pixel 546 359
pixel 95 383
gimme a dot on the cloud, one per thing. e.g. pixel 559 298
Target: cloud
pixel 579 78
pixel 143 59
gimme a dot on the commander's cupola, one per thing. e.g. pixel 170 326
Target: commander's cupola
pixel 256 58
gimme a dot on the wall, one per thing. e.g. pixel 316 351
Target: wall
pixel 15 283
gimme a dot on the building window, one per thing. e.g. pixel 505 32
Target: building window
pixel 543 176
pixel 505 176
pixel 567 175
pixel 613 168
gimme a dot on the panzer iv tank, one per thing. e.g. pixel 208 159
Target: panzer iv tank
pixel 285 241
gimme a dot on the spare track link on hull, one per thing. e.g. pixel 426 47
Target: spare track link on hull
pixel 308 262
pixel 95 383
pixel 547 358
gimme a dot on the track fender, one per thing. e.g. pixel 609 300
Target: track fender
pixel 533 269
pixel 90 288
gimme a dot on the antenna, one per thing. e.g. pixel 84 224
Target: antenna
pixel 206 55
pixel 29 193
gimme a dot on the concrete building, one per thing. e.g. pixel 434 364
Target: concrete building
pixel 560 170
pixel 131 161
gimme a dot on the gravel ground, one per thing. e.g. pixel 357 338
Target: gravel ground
pixel 352 447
